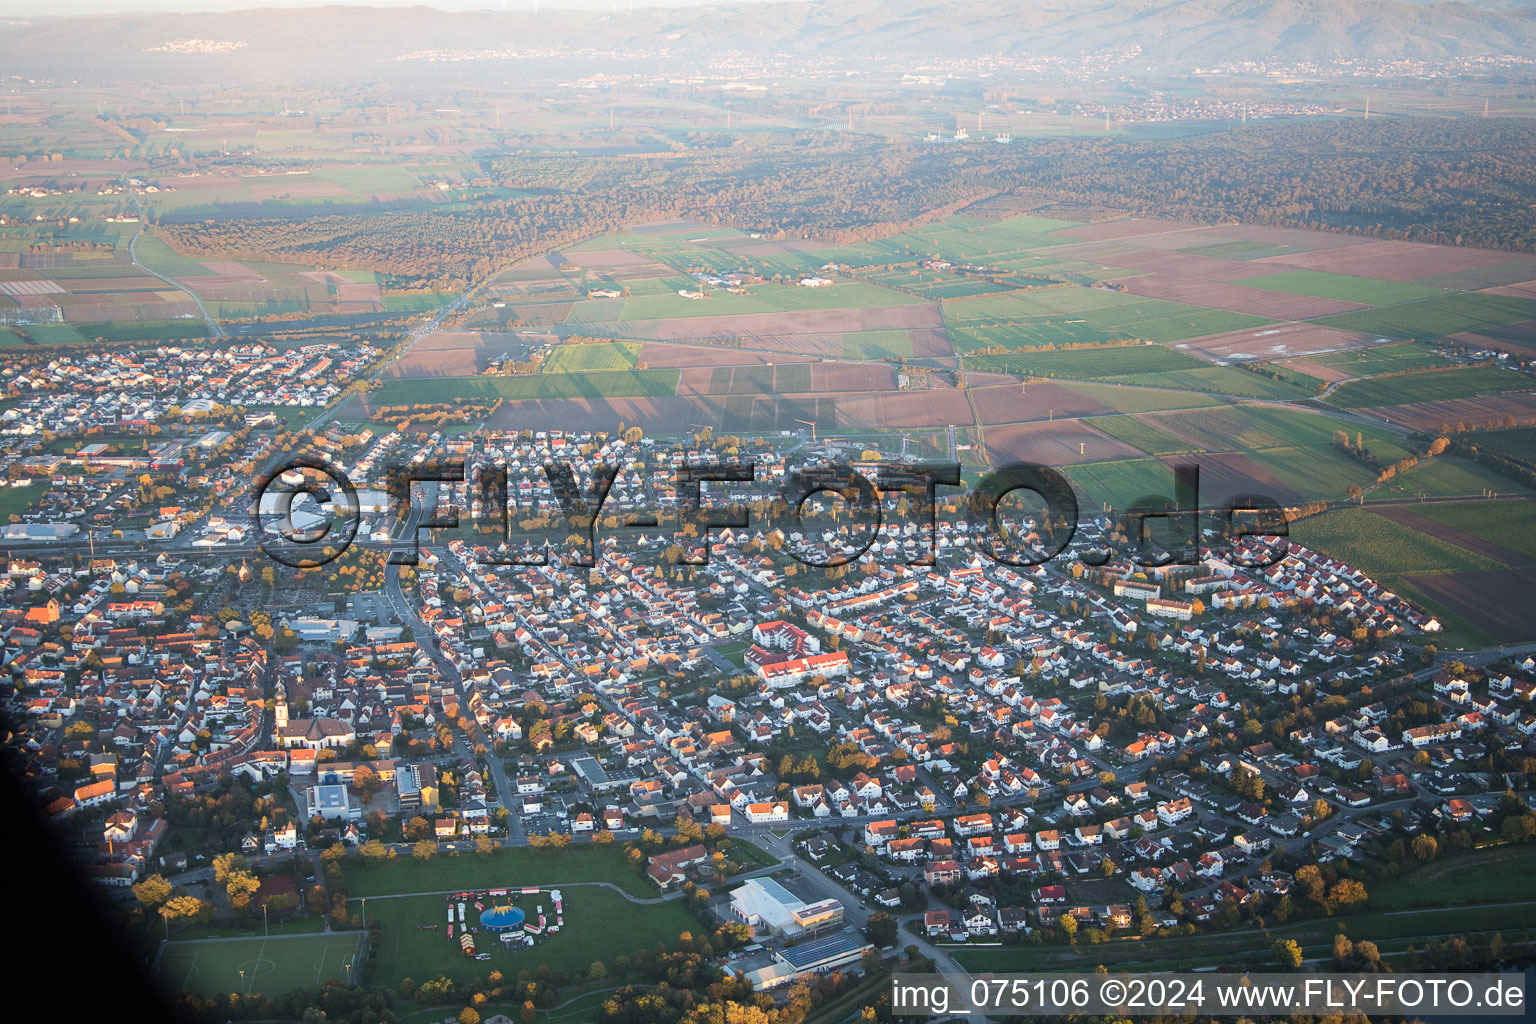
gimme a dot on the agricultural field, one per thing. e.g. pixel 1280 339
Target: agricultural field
pixel 1344 287
pixel 1440 317
pixel 529 387
pixel 765 298
pixel 1428 386
pixel 1515 443
pixel 584 357
pixel 1382 548
pixel 1399 357
pixel 1480 589
pixel 271 965
pixel 1087 363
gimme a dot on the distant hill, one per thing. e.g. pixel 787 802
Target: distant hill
pixel 320 43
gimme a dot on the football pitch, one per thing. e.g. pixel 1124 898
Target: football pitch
pixel 272 965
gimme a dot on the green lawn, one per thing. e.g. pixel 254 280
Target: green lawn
pixel 505 867
pixel 599 925
pixel 210 967
pixel 1498 873
pixel 16 500
pixel 1428 386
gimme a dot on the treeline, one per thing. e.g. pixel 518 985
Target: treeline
pixel 1467 182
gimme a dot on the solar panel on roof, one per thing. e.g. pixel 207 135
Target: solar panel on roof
pixel 807 955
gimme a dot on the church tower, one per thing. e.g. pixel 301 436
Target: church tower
pixel 280 708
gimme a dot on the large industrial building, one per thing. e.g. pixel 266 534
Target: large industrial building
pixel 769 908
pixel 772 968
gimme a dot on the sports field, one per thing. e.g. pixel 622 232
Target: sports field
pixel 272 965
pixel 599 925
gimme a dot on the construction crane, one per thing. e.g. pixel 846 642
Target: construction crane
pixel 812 425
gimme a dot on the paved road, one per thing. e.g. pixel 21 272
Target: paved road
pixel 213 325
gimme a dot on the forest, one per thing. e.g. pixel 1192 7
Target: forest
pixel 1459 181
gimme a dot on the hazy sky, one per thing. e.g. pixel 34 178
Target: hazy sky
pixel 38 8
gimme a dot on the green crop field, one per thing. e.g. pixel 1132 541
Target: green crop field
pixel 1219 380
pixel 1120 482
pixel 1344 287
pixel 1394 358
pixel 1428 386
pixel 877 344
pixel 1509 523
pixel 1448 476
pixel 1142 432
pixel 597 384
pixel 272 966
pixel 765 298
pixel 1088 363
pixel 53 334
pixel 1240 250
pixel 1439 317
pixel 1515 442
pixel 574 357
pixel 599 925
pixel 155 254
pixel 144 330
pixel 1382 548
pixel 417 303
pixel 1133 399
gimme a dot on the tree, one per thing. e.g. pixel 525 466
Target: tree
pixel 1310 880
pixel 597 972
pixel 152 891
pixel 602 837
pixel 375 849
pixel 1287 954
pixel 529 1013
pixel 424 850
pixel 1346 892
pixel 240 886
pixel 224 863
pixel 1425 848
pixel 882 929
pixel 484 844
pixel 418 828
pixel 1069 927
pixel 469 1015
